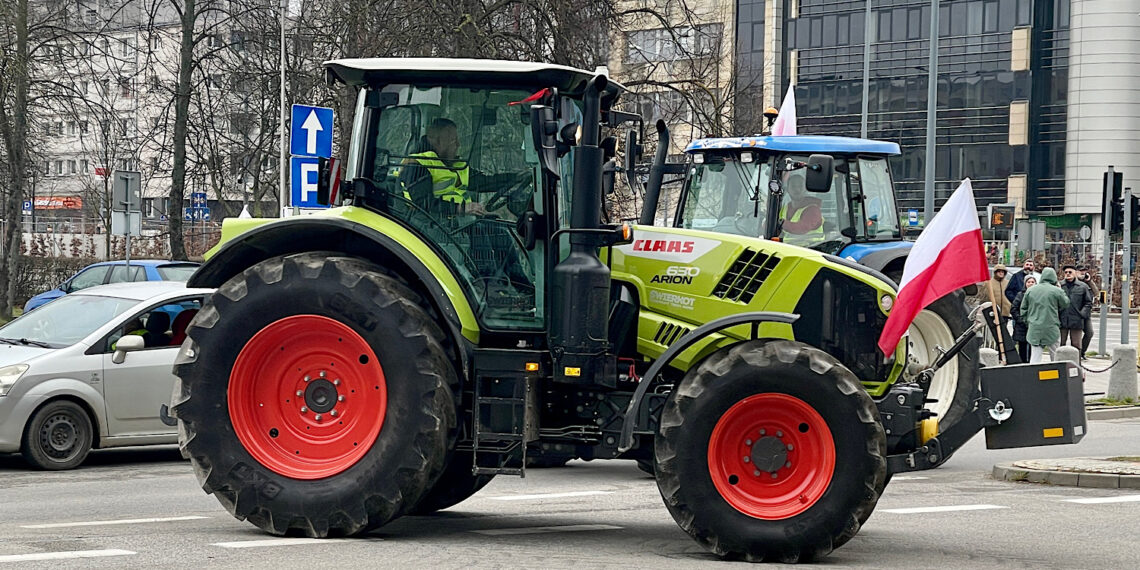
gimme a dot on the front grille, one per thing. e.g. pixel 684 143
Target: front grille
pixel 746 276
pixel 668 333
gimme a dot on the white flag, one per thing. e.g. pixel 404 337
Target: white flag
pixel 786 122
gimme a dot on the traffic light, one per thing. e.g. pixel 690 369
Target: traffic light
pixel 1135 213
pixel 1116 207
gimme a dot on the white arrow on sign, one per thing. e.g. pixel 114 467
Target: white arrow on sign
pixel 312 126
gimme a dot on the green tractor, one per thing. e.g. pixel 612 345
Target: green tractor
pixel 753 186
pixel 463 309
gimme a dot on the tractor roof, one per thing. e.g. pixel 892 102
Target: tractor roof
pixel 568 80
pixel 799 143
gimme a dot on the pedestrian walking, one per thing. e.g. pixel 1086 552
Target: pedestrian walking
pixel 1086 278
pixel 1042 308
pixel 1017 282
pixel 1020 324
pixel 1074 316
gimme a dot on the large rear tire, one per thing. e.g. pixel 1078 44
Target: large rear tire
pixel 770 450
pixel 314 396
pixel 939 325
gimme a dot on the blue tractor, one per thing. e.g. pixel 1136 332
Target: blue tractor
pixel 831 194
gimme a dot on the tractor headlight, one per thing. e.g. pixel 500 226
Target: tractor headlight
pixel 886 302
pixel 9 375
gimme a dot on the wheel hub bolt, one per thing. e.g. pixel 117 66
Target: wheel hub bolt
pixel 779 434
pixel 774 475
pixel 748 442
pixel 304 409
pixel 323 374
pixel 756 472
pixel 336 382
pixel 333 413
pixel 791 447
pixel 340 398
pixel 300 393
pixel 762 432
pixel 317 417
pixel 307 378
pixel 747 459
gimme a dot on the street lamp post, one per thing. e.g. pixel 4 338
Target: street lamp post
pixel 931 111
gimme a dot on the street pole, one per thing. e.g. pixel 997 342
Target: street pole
pixel 1105 259
pixel 931 110
pixel 127 226
pixel 1126 268
pixel 282 163
pixel 868 33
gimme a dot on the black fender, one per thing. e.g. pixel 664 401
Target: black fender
pixel 885 260
pixel 307 233
pixel 682 344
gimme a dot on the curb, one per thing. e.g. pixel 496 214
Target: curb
pixel 1113 413
pixel 1009 472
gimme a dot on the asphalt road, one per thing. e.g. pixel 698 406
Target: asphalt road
pixel 586 515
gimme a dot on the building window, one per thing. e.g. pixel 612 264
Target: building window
pixel 125 87
pixel 83 166
pixel 669 44
pixel 71 167
pixel 59 167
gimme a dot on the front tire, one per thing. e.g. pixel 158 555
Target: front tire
pixel 58 436
pixel 314 394
pixel 770 450
pixel 939 325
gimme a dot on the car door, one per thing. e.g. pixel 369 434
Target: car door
pixel 134 390
pixel 121 274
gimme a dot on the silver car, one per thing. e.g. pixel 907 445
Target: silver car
pixel 92 370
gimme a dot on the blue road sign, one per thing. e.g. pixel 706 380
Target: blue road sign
pixel 27 206
pixel 311 131
pixel 196 214
pixel 198 200
pixel 304 182
pixel 912 218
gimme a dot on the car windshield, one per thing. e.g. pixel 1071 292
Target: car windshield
pixel 725 195
pixel 176 272
pixel 65 321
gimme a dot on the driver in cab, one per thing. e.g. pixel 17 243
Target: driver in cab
pixel 435 179
pixel 801 213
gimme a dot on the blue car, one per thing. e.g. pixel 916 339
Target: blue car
pixel 117 272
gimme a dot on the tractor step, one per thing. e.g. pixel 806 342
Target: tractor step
pixel 506 409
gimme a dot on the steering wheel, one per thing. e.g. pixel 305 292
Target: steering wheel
pixel 510 195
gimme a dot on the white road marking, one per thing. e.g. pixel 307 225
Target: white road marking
pixel 275 542
pixel 908 478
pixel 550 495
pixel 64 555
pixel 1102 500
pixel 917 510
pixel 121 521
pixel 546 529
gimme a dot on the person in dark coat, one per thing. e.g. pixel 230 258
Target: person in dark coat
pixel 1087 340
pixel 1017 282
pixel 1020 324
pixel 1073 317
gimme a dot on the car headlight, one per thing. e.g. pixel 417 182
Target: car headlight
pixel 9 375
pixel 886 302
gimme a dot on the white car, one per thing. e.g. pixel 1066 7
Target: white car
pixel 92 370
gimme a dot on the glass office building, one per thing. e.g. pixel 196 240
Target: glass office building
pixel 1003 76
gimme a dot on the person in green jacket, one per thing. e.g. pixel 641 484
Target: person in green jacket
pixel 1041 308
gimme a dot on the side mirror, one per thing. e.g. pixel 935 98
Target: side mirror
pixel 544 128
pixel 128 343
pixel 328 181
pixel 818 174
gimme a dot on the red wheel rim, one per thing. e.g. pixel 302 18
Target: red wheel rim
pixel 307 397
pixel 771 456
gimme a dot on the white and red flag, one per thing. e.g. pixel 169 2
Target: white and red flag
pixel 786 121
pixel 948 255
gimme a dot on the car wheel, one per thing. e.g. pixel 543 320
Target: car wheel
pixel 59 436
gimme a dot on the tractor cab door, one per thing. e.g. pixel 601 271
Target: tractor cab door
pixel 457 166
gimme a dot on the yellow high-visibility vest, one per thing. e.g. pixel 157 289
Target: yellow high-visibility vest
pixel 814 233
pixel 447 183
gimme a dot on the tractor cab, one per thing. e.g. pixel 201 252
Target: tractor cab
pixel 757 187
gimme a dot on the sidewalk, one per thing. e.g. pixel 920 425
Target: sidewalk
pixel 1096 384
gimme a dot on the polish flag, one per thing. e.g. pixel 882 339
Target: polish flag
pixel 786 121
pixel 948 255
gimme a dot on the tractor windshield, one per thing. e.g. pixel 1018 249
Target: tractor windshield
pixel 726 195
pixel 873 200
pixel 458 166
